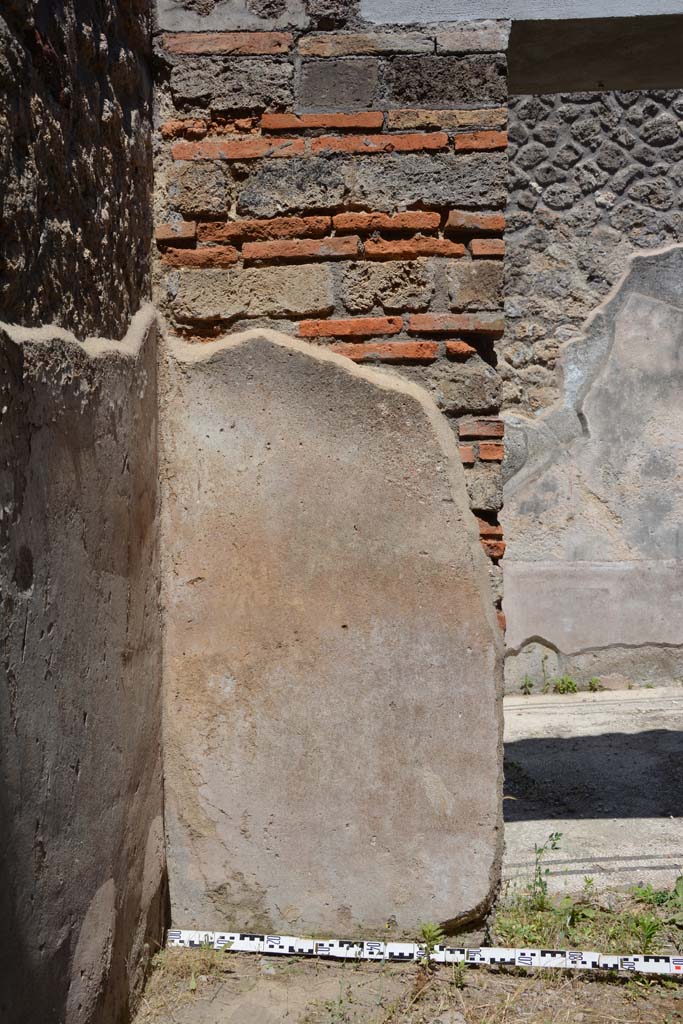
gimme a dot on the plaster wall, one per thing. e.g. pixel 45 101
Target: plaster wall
pixel 82 870
pixel 81 844
pixel 420 11
pixel 331 656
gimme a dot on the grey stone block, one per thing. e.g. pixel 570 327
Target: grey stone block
pixel 230 15
pixel 394 180
pixel 393 286
pixel 233 83
pixel 324 581
pixel 198 189
pixel 344 83
pixel 444 81
pixel 485 487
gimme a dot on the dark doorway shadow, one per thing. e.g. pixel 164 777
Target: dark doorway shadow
pixel 614 775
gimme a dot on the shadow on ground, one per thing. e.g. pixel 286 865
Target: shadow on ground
pixel 613 775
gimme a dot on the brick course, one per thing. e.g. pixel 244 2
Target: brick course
pixel 302 249
pixel 227 42
pixel 389 352
pixel 362 326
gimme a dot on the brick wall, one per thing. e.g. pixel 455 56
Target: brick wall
pixel 347 188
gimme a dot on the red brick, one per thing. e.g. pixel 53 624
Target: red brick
pixel 411 248
pixel 262 230
pixel 491 451
pixel 218 256
pixel 473 430
pixel 191 128
pixel 492 531
pixel 501 620
pixel 413 143
pixel 459 350
pixel 227 42
pixel 446 323
pixel 389 351
pixel 411 220
pixel 302 249
pixel 179 231
pixel 465 223
pixel 288 122
pixel 468 141
pixel 360 327
pixel 487 248
pixel 237 149
pixel 467 454
pixel 494 548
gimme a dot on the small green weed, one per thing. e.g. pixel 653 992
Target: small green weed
pixel 646 929
pixel 565 684
pixel 431 935
pixel 539 886
pixel 594 685
pixel 526 686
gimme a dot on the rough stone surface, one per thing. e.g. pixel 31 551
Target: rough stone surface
pixel 199 189
pixel 477 179
pixel 445 81
pixel 594 177
pixel 316 633
pixel 395 286
pixel 230 15
pixel 81 859
pixel 229 83
pixel 248 292
pixel 592 511
pixel 475 285
pixel 75 164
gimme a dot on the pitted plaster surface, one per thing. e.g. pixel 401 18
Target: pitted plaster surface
pixel 80 716
pixel 332 704
pixel 593 503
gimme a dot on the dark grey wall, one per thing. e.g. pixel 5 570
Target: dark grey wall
pixel 76 176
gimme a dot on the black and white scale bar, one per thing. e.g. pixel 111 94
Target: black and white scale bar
pixel 409 952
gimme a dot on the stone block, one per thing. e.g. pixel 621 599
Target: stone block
pixel 485 489
pixel 473 179
pixel 344 83
pixel 472 386
pixel 475 284
pixel 232 83
pixel 210 295
pixel 444 81
pixel 394 286
pixel 474 37
pixel 306 632
pixel 342 44
pixel 231 15
pixel 199 189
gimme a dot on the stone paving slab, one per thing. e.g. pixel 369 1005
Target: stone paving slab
pixel 605 770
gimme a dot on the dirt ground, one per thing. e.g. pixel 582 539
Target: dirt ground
pixel 248 989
